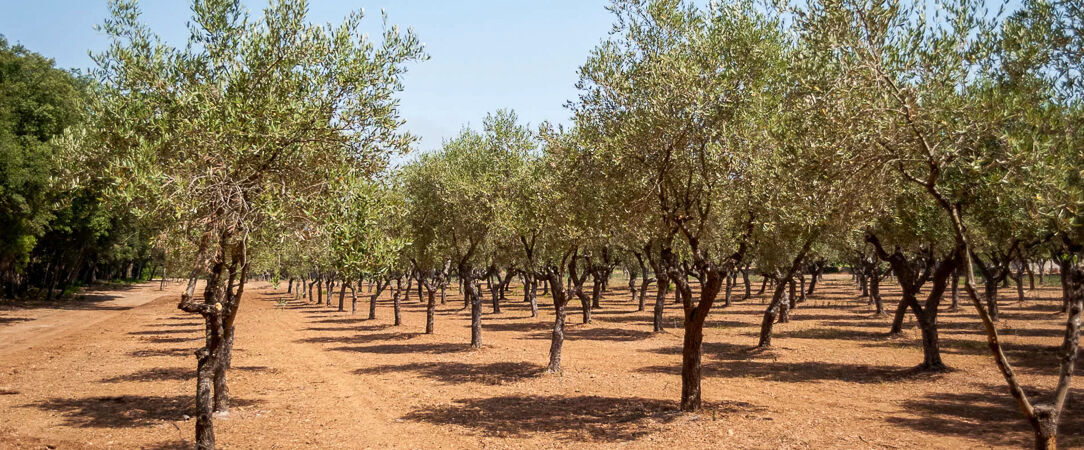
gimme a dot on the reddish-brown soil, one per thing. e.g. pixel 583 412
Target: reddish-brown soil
pixel 120 374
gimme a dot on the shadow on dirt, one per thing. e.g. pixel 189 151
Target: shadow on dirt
pixel 166 331
pixel 128 411
pixel 357 339
pixel 990 416
pixel 802 371
pixel 174 374
pixel 392 349
pixel 458 373
pixel 582 418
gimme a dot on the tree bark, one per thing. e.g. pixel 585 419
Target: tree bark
pixel 770 315
pixel 396 304
pixel 354 299
pixel 475 314
pixel 745 280
pixel 529 286
pixel 691 364
pixel 875 290
pixel 342 296
pixel 430 313
pixel 585 304
pixel 955 290
pixel 557 337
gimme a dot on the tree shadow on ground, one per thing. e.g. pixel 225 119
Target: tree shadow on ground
pixel 128 411
pixel 342 320
pixel 517 326
pixel 180 321
pixel 329 329
pixel 1053 333
pixel 580 419
pixel 7 320
pixel 173 374
pixel 172 340
pixel 828 334
pixel 800 372
pixel 1032 357
pixel 1027 316
pixel 166 331
pixel 458 373
pixel 1053 307
pixel 633 317
pixel 990 416
pixel 717 350
pixel 169 445
pixel 155 374
pixel 506 317
pixel 723 323
pixel 394 349
pixel 178 324
pixel 163 352
pixel 597 334
pixel 86 301
pixel 860 322
pixel 357 339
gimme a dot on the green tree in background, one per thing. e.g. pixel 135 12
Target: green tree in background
pixel 37 103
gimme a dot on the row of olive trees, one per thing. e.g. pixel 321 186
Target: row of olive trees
pixel 706 141
pixel 710 139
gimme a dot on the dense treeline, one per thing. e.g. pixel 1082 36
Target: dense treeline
pixel 933 145
pixel 54 234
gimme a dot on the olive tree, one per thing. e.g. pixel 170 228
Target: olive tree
pixel 253 115
pixel 672 99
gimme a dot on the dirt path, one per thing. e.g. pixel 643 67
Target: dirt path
pixel 32 324
pixel 308 376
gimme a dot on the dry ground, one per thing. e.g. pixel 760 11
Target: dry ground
pixel 118 373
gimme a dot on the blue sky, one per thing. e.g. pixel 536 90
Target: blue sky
pixel 484 55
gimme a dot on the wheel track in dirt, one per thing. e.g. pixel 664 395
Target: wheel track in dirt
pixel 36 325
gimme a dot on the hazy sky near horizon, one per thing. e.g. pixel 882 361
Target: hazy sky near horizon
pixel 484 54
